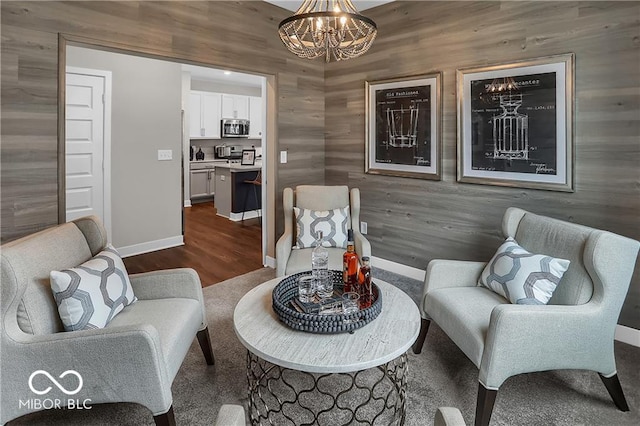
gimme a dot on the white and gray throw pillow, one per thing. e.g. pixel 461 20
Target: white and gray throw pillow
pixel 90 295
pixel 333 224
pixel 522 277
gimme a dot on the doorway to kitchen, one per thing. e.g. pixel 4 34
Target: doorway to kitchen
pixel 148 165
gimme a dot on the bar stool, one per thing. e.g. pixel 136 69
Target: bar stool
pixel 256 184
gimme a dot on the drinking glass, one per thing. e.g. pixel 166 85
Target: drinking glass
pixel 306 288
pixel 350 305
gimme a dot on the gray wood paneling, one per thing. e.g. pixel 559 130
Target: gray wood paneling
pixel 234 35
pixel 412 221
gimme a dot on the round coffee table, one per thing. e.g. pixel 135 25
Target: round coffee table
pixel 299 377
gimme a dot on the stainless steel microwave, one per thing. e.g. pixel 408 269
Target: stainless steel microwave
pixel 235 128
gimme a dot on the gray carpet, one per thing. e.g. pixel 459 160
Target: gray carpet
pixel 440 376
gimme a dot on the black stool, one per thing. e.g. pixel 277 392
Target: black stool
pixel 255 184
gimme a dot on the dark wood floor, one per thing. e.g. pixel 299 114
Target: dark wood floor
pixel 216 247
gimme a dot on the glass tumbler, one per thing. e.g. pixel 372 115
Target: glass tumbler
pixel 350 305
pixel 306 288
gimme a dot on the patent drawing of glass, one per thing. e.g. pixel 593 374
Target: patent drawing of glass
pixel 403 127
pixel 510 130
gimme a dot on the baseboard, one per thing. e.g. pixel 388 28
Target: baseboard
pixel 249 214
pixel 398 268
pixel 150 246
pixel 623 334
pixel 187 203
pixel 627 335
pixel 271 262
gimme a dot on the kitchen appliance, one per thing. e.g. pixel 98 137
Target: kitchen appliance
pixel 234 128
pixel 228 152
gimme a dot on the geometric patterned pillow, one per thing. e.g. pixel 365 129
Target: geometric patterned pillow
pixel 90 295
pixel 522 277
pixel 333 224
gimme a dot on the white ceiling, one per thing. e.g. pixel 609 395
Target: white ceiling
pixel 223 76
pixel 361 5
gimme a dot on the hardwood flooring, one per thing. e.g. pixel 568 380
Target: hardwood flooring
pixel 217 248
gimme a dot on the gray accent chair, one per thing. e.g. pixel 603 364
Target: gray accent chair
pixel 312 197
pixel 574 331
pixel 448 416
pixel 133 359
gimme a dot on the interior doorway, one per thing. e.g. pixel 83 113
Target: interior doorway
pixel 181 155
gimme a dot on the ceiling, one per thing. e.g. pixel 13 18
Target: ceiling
pixel 223 76
pixel 361 5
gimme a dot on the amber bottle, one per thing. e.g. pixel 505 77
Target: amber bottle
pixel 350 265
pixel 364 284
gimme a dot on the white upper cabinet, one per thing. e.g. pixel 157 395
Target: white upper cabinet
pixel 255 117
pixel 204 115
pixel 235 106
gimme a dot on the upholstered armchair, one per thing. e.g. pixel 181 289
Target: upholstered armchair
pixel 317 198
pixel 575 330
pixel 134 358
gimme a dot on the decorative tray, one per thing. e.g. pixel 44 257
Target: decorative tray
pixel 286 291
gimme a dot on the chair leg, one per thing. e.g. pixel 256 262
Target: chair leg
pixel 166 419
pixel 484 405
pixel 419 343
pixel 615 390
pixel 205 345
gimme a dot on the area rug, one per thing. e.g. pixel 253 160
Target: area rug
pixel 440 376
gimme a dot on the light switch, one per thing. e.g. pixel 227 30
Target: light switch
pixel 165 154
pixel 283 157
pixel 363 227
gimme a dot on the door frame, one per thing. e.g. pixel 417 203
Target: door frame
pixel 270 98
pixel 106 141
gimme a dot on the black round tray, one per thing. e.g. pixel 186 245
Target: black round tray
pixel 287 289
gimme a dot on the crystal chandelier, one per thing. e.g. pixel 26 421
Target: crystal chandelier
pixel 329 28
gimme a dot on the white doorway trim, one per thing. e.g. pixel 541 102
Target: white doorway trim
pixel 106 145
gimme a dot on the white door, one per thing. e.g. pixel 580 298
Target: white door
pixel 87 145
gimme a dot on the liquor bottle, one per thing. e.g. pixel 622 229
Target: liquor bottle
pixel 364 284
pixel 320 268
pixel 350 265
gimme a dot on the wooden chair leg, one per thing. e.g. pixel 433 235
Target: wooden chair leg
pixel 166 419
pixel 419 343
pixel 484 405
pixel 615 390
pixel 205 345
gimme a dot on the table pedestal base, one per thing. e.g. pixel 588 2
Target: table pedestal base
pixel 281 396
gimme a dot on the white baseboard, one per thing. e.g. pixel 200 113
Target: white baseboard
pixel 627 335
pixel 249 214
pixel 398 268
pixel 623 334
pixel 187 203
pixel 150 246
pixel 271 262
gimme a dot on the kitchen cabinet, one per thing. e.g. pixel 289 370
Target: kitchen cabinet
pixel 204 115
pixel 235 106
pixel 255 117
pixel 202 182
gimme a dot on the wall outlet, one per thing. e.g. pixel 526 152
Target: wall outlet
pixel 363 227
pixel 165 154
pixel 283 157
pixel 223 177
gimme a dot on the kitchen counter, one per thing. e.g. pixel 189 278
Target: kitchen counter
pixel 233 195
pixel 237 167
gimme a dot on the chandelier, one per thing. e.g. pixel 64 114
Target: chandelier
pixel 329 28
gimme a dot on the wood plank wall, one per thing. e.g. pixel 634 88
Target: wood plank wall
pixel 234 35
pixel 412 221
